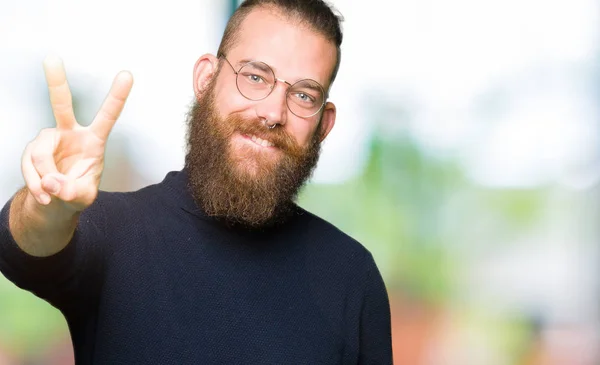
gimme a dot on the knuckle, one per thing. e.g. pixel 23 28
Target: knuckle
pixel 41 149
pixel 44 133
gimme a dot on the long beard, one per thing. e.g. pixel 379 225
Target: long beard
pixel 246 187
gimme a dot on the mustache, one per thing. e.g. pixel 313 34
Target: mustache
pixel 278 136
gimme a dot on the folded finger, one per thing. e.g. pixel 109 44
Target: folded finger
pixel 32 178
pixel 42 153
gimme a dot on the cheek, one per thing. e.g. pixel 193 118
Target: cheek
pixel 229 101
pixel 302 130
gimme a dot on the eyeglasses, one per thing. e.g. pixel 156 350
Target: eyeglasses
pixel 256 81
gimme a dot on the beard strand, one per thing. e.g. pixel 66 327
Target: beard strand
pixel 248 189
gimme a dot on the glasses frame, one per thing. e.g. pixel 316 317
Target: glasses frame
pixel 290 87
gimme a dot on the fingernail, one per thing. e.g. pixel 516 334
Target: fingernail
pixel 45 199
pixel 52 186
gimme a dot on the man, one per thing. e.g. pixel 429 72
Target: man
pixel 216 264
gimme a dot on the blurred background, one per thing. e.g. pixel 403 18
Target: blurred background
pixel 466 157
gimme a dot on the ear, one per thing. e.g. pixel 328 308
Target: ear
pixel 327 119
pixel 204 69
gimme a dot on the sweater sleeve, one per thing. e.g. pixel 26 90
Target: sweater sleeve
pixel 70 280
pixel 375 322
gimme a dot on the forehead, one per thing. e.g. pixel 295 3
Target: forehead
pixel 292 49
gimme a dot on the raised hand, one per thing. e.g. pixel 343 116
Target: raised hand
pixel 63 165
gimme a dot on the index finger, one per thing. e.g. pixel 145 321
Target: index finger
pixel 113 105
pixel 60 95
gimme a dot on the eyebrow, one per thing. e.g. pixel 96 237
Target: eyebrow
pixel 314 88
pixel 244 61
pixel 259 64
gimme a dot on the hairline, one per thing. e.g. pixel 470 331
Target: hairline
pixel 243 13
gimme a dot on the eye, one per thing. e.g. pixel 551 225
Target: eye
pixel 305 98
pixel 255 79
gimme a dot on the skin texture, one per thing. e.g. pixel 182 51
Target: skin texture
pixel 62 167
pixel 294 52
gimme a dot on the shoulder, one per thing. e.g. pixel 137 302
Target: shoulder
pixel 330 244
pixel 320 229
pixel 147 199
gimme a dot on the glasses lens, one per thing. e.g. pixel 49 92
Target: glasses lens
pixel 255 80
pixel 305 98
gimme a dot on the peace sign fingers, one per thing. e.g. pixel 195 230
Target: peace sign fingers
pixel 60 95
pixel 113 105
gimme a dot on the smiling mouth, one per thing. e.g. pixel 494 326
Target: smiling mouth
pixel 259 141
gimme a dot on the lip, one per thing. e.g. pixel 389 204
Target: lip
pixel 247 137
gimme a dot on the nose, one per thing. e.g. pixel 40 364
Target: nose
pixel 274 107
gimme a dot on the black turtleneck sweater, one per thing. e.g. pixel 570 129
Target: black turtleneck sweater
pixel 149 279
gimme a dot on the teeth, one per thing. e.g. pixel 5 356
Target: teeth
pixel 261 142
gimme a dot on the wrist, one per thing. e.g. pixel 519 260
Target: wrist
pixel 54 212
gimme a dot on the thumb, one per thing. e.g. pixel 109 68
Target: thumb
pixel 59 186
